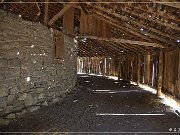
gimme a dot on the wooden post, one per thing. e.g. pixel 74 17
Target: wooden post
pixel 119 69
pixel 160 72
pixel 176 73
pixel 132 68
pixel 46 15
pixel 138 69
pixel 147 68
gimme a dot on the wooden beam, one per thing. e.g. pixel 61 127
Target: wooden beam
pixel 175 4
pixel 125 41
pixel 68 21
pixel 46 15
pixel 138 68
pixel 39 11
pixel 60 13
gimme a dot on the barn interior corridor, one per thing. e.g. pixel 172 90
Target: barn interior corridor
pixel 90 66
pixel 101 105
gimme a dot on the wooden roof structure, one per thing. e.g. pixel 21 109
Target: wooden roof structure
pixel 107 27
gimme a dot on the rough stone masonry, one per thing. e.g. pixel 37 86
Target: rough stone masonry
pixel 29 78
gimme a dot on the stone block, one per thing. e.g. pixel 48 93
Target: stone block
pixel 11 116
pixel 45 104
pixel 2 113
pixel 8 109
pixel 2 37
pixel 3 91
pixel 22 97
pixel 35 100
pixel 14 90
pixel 18 108
pixel 4 121
pixel 3 62
pixel 10 99
pixel 41 96
pixel 14 62
pixel 20 114
pixel 33 108
pixel 18 104
pixel 55 100
pixel 10 54
pixel 29 100
pixel 3 104
pixel 38 73
pixel 39 90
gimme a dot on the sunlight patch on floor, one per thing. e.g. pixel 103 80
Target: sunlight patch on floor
pixel 112 91
pixel 119 114
pixel 144 87
pixel 175 105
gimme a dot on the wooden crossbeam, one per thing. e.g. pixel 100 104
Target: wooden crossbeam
pixel 60 13
pixel 125 41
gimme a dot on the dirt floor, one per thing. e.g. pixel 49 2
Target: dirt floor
pixel 102 105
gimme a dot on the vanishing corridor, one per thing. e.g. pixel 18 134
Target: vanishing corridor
pixel 101 105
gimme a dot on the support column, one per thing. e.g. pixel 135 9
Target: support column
pixel 119 69
pixel 147 68
pixel 138 69
pixel 160 72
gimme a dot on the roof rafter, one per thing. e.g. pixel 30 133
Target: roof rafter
pixel 136 23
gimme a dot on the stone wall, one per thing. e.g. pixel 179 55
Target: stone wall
pixel 29 78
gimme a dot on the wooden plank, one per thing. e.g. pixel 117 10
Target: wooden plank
pixel 68 21
pixel 60 13
pixel 46 12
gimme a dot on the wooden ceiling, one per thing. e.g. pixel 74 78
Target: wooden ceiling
pixel 111 28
